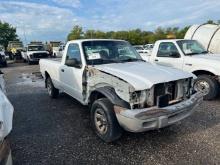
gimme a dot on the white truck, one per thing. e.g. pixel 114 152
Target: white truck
pixel 6 116
pixel 122 91
pixel 34 52
pixel 190 56
pixel 144 53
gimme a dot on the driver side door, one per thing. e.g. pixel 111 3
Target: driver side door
pixel 168 55
pixel 71 76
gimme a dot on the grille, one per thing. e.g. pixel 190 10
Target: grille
pixel 40 55
pixel 165 92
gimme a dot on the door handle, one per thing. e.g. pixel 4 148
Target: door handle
pixel 188 64
pixel 62 70
pixel 156 60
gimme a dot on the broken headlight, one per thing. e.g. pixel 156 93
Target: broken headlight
pixel 139 98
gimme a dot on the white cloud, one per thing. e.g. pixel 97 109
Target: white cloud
pixel 37 21
pixel 72 3
pixel 52 21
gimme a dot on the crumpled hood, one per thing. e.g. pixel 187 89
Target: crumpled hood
pixel 143 75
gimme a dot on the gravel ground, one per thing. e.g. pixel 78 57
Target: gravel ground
pixel 58 131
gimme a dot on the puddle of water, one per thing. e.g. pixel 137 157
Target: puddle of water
pixel 32 79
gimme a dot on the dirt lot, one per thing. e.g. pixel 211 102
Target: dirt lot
pixel 47 131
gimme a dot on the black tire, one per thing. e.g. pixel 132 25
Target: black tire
pixel 52 91
pixel 114 130
pixel 29 62
pixel 5 64
pixel 213 86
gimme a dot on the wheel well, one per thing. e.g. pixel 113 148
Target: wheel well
pixel 46 76
pixel 203 72
pixel 95 96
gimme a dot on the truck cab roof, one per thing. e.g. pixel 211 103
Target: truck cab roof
pixel 83 40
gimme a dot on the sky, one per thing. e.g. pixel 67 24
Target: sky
pixel 46 20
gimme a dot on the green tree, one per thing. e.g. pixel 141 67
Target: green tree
pixel 76 33
pixel 7 33
pixel 211 22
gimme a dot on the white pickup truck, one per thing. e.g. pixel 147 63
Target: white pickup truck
pixel 123 91
pixel 6 116
pixel 190 56
pixel 34 52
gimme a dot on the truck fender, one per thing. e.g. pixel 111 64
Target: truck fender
pixel 109 93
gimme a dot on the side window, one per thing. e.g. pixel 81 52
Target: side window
pixel 168 49
pixel 73 52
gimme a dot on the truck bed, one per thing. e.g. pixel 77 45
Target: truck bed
pixel 52 67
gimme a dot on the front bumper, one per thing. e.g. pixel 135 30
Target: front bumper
pixel 140 120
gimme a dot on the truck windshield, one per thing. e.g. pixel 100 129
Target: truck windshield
pixel 35 48
pixel 191 47
pixel 104 52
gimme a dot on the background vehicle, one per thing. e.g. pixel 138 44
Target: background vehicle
pixel 54 47
pixel 190 56
pixel 123 91
pixel 6 117
pixel 61 51
pixel 14 50
pixel 149 46
pixel 34 52
pixel 143 52
pixel 3 60
pixel 207 34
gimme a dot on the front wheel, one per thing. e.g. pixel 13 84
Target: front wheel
pixel 207 85
pixel 52 91
pixel 29 62
pixel 5 64
pixel 104 120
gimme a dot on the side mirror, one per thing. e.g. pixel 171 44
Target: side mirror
pixel 73 63
pixel 174 54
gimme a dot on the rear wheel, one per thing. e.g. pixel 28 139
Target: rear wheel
pixel 207 85
pixel 104 120
pixel 52 91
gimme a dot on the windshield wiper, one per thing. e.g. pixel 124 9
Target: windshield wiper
pixel 189 54
pixel 204 52
pixel 131 60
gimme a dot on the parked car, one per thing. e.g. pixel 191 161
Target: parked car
pixel 6 117
pixel 190 56
pixel 60 51
pixel 149 46
pixel 123 91
pixel 143 52
pixel 14 50
pixel 34 52
pixel 3 61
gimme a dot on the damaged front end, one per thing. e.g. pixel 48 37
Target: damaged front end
pixel 161 105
